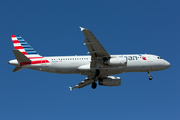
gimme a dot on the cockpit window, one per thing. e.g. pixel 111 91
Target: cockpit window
pixel 159 57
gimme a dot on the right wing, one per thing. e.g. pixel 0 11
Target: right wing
pixel 96 50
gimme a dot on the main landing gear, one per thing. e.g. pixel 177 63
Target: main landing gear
pixel 150 77
pixel 94 84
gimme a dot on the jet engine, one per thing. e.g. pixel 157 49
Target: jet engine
pixel 110 81
pixel 116 62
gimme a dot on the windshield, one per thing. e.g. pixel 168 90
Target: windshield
pixel 159 57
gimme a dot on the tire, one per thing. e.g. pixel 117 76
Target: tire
pixel 94 85
pixel 150 78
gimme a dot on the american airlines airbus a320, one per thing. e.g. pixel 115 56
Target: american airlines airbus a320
pixel 97 67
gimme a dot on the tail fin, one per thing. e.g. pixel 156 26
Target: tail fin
pixel 25 54
pixel 21 45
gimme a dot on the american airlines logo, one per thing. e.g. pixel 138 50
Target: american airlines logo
pixel 135 57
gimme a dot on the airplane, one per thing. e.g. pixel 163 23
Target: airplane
pixel 98 66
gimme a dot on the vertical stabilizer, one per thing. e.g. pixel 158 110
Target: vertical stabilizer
pixel 21 45
pixel 25 54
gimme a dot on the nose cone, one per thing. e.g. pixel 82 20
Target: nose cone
pixel 167 64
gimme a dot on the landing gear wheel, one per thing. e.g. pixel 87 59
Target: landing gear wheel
pixel 94 85
pixel 150 77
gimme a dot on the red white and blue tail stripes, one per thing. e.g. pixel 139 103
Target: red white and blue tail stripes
pixel 21 45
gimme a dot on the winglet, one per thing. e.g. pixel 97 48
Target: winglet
pixel 81 28
pixel 70 88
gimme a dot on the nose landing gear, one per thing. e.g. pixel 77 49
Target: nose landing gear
pixel 150 77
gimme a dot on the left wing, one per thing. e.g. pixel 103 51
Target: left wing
pixel 84 83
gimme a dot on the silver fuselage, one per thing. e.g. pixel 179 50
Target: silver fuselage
pixel 81 65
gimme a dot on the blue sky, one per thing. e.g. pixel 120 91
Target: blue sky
pixel 51 27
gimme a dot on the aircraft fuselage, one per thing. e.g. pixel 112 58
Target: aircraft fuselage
pixel 81 64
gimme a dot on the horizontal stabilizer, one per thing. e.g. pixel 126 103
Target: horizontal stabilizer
pixel 20 56
pixel 17 69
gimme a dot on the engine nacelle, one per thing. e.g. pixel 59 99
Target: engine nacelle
pixel 116 62
pixel 110 81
